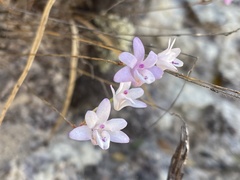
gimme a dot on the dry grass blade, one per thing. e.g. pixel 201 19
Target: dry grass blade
pixel 83 57
pixel 72 75
pixel 34 49
pixel 179 157
pixel 84 40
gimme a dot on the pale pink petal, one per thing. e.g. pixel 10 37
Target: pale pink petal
pixel 119 137
pixel 103 139
pixel 103 111
pixel 162 55
pixel 128 59
pixel 133 103
pixel 123 75
pixel 116 106
pixel 98 138
pixel 139 79
pixel 115 99
pixel 116 103
pixel 94 137
pixel 113 91
pixel 138 49
pixel 91 119
pixel 137 83
pixel 129 99
pixel 123 86
pixel 176 51
pixel 177 63
pixel 166 65
pixel 169 55
pixel 151 60
pixel 122 105
pixel 139 104
pixel 135 93
pixel 81 133
pixel 156 71
pixel 148 76
pixel 115 124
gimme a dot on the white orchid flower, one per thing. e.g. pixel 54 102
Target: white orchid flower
pixel 99 129
pixel 127 97
pixel 168 58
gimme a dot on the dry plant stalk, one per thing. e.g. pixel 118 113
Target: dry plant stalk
pixel 215 88
pixel 96 43
pixel 179 157
pixel 33 51
pixel 72 74
pixel 83 57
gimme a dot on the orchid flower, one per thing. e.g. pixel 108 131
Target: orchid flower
pixel 138 71
pixel 168 58
pixel 99 129
pixel 228 2
pixel 127 97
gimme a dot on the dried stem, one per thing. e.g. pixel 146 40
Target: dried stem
pixel 72 76
pixel 33 51
pixel 212 87
pixel 175 171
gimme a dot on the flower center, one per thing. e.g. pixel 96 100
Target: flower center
pixel 145 77
pixel 125 92
pixel 101 126
pixel 141 66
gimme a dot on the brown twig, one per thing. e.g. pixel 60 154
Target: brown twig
pixel 72 76
pixel 84 40
pixel 212 87
pixel 81 56
pixel 33 51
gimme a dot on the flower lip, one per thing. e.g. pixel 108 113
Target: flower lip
pixel 141 66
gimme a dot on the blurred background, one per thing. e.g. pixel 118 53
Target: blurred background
pixel 34 143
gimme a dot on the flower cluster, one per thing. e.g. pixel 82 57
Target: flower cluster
pixel 138 71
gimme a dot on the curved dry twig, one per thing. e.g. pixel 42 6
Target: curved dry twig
pixel 33 51
pixel 72 76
